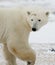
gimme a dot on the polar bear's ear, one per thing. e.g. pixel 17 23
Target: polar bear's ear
pixel 28 13
pixel 47 13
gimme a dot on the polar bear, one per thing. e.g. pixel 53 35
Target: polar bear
pixel 15 26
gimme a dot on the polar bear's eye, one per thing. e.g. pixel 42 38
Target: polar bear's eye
pixel 31 19
pixel 39 20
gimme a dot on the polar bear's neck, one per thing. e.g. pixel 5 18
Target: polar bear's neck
pixel 25 22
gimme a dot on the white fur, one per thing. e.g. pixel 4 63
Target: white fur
pixel 15 26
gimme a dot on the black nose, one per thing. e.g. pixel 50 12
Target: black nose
pixel 33 29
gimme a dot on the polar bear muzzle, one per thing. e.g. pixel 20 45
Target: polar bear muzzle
pixel 34 27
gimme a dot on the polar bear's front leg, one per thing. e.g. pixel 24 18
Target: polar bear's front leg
pixel 23 52
pixel 30 63
pixel 11 60
pixel 20 48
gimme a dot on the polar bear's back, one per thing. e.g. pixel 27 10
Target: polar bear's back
pixel 7 17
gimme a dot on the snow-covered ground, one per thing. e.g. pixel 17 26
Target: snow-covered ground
pixel 44 55
pixel 42 41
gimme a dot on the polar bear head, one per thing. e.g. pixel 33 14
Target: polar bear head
pixel 37 19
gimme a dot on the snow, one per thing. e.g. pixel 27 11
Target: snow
pixel 44 55
pixel 41 41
